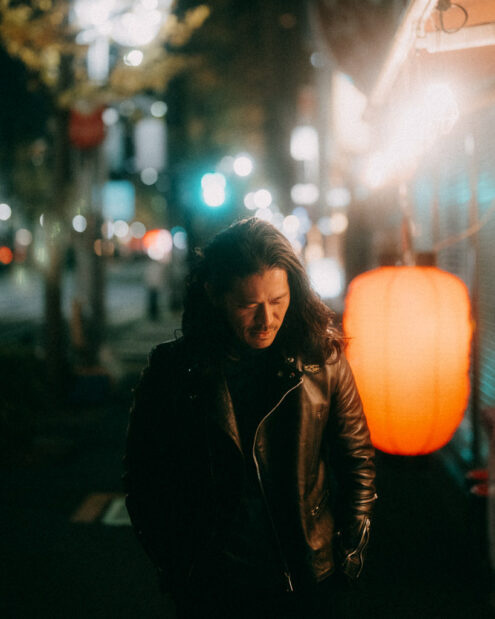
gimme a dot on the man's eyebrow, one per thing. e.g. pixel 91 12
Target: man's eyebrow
pixel 280 296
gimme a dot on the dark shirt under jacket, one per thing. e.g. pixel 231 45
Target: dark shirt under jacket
pixel 250 551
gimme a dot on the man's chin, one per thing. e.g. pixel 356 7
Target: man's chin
pixel 261 340
pixel 260 346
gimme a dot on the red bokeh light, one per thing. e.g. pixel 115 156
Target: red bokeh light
pixel 6 255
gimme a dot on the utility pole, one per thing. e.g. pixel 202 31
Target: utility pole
pixel 55 235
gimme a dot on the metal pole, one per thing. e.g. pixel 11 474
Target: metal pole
pixel 435 205
pixel 407 248
pixel 475 291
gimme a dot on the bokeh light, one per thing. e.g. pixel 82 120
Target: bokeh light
pixel 137 28
pixel 213 189
pixel 107 229
pixel 6 255
pixel 79 223
pixel 313 251
pixel 304 193
pixel 324 225
pixel 338 197
pixel 90 13
pixel 5 212
pixel 326 277
pixel 277 220
pixel 158 243
pixel 304 143
pixel 304 220
pixel 110 116
pixel 291 225
pixel 137 229
pixel 243 165
pixel 262 198
pixel 339 223
pixel 179 236
pixel 134 58
pixel 23 237
pixel 121 228
pixel 264 213
pixel 149 176
pixel 158 109
pixel 249 202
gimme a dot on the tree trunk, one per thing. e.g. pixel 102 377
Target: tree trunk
pixel 54 226
pixel 89 298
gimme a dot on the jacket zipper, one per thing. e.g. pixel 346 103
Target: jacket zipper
pixel 358 550
pixel 258 473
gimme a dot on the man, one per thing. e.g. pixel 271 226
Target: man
pixel 249 468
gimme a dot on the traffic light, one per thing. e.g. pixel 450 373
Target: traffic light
pixel 213 189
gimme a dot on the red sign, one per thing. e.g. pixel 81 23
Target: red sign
pixel 86 130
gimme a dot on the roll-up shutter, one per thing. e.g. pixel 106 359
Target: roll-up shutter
pixel 446 177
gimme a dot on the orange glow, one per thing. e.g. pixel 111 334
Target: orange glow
pixel 410 333
pixel 6 255
pixel 150 238
pixel 158 243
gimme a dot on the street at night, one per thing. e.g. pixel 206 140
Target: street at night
pixel 299 197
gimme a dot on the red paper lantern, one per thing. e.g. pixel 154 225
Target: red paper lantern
pixel 86 130
pixel 409 331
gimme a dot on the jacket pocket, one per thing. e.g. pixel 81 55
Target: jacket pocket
pixel 318 506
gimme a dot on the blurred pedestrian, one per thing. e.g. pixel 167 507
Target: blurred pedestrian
pixel 249 468
pixel 154 278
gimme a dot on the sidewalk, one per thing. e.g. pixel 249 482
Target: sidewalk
pixel 425 559
pixel 69 552
pixel 63 553
pixel 128 345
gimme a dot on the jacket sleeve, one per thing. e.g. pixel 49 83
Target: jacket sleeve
pixel 354 464
pixel 149 477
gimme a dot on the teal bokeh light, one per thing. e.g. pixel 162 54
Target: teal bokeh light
pixel 213 189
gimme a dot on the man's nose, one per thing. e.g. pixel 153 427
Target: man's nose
pixel 265 315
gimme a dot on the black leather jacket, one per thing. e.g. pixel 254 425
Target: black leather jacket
pixel 312 451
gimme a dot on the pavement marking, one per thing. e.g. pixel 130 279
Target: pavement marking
pixel 93 505
pixel 116 514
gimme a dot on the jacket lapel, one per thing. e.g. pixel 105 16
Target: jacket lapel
pixel 220 407
pixel 222 410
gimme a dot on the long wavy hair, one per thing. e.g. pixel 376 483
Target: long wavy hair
pixel 247 247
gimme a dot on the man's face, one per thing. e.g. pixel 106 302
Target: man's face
pixel 256 306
